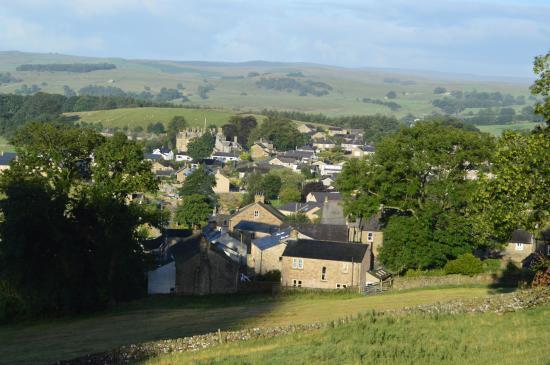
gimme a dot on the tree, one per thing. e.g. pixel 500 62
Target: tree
pixel 541 86
pixel 193 210
pixel 176 125
pixel 290 194
pixel 240 127
pixel 440 90
pixel 82 248
pixel 282 132
pixel 156 128
pixel 517 193
pixel 270 186
pixel 201 147
pixel 200 182
pixel 391 95
pixel 419 174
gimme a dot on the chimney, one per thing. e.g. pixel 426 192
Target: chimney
pixel 259 198
pixel 293 234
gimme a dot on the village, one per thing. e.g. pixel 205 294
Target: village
pixel 269 242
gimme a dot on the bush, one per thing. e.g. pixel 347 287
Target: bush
pixel 466 264
pixel 492 265
pixel 11 304
pixel 272 275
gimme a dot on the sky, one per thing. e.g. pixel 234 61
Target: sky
pixel 488 37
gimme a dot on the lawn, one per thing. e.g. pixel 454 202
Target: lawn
pixel 488 338
pixel 172 317
pixel 133 117
pixel 497 129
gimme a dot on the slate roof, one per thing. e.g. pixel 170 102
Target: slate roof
pixel 371 224
pixel 299 207
pixel 224 154
pixel 169 234
pixel 151 156
pixel 6 158
pixel 266 242
pixel 380 274
pixel 320 196
pixel 270 208
pixel 369 148
pixel 329 232
pixel 521 236
pixel 256 227
pixel 326 250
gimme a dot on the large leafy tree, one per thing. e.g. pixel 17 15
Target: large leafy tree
pixel 201 147
pixel 78 248
pixel 193 210
pixel 517 193
pixel 282 132
pixel 419 174
pixel 200 182
pixel 240 127
pixel 542 86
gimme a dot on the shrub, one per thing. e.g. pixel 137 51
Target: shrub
pixel 272 275
pixel 466 264
pixel 11 304
pixel 492 265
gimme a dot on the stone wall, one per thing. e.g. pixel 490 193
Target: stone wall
pixel 404 283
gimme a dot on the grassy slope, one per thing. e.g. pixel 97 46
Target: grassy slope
pixel 497 129
pixel 133 117
pixel 348 84
pixel 174 317
pixel 488 338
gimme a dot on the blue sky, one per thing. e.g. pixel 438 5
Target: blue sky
pixel 480 37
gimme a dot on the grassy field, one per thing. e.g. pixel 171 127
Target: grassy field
pixel 133 117
pixel 234 90
pixel 497 129
pixel 488 338
pixel 173 317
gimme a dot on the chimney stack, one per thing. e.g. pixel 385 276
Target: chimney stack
pixel 259 198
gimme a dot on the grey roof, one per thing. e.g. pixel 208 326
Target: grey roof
pixel 286 159
pixel 151 156
pixel 169 234
pixel 224 154
pixel 369 148
pixel 266 242
pixel 326 250
pixel 256 227
pixel 521 236
pixel 6 158
pixel 380 274
pixel 329 232
pixel 320 196
pixel 371 224
pixel 299 207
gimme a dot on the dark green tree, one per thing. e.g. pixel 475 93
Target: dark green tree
pixel 176 125
pixel 201 147
pixel 200 182
pixel 193 210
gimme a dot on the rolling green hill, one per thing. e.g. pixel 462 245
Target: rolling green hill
pixel 132 117
pixel 235 84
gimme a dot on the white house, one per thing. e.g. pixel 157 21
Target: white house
pixel 181 157
pixel 166 153
pixel 224 156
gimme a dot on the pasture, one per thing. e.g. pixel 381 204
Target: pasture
pixel 156 318
pixel 497 129
pixel 463 339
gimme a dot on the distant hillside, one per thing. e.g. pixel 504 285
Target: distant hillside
pixel 303 87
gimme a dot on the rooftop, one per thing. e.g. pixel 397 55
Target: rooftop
pixel 326 250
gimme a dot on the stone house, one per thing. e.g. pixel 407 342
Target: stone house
pixel 323 145
pixel 287 162
pixel 324 264
pixel 337 131
pixel 304 128
pixel 257 212
pixel 523 246
pixel 324 232
pixel 222 183
pixel 367 231
pixel 261 150
pixel 265 252
pixel 318 136
pixel 182 173
pixel 202 268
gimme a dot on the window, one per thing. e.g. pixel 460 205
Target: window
pixel 370 236
pixel 297 263
pixel 345 267
pixel 256 213
pixel 297 283
pixel 324 274
pixel 519 246
pixel 341 286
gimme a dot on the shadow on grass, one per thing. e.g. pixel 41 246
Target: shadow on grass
pixel 511 279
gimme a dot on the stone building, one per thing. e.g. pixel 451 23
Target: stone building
pixel 184 137
pixel 265 252
pixel 257 212
pixel 367 231
pixel 325 264
pixel 261 150
pixel 222 183
pixel 202 268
